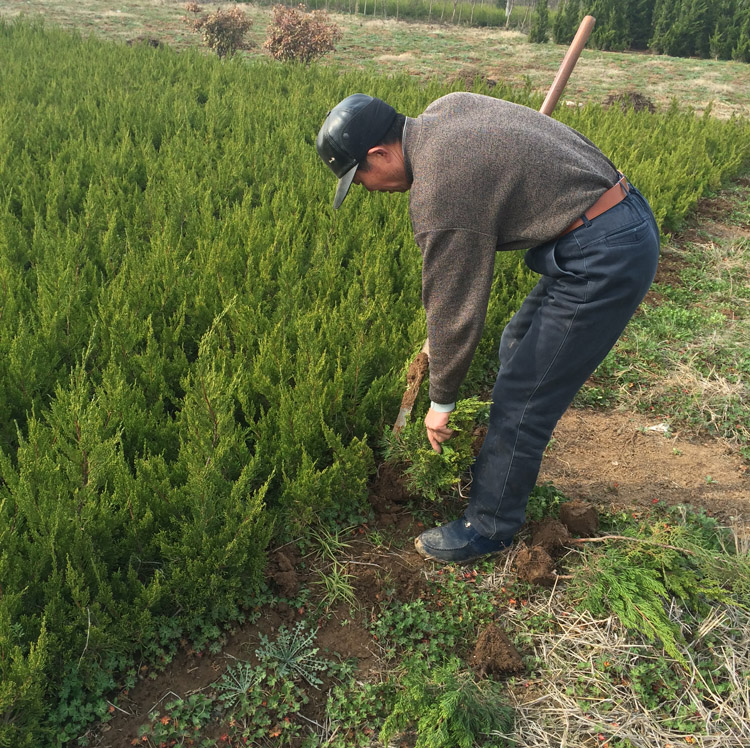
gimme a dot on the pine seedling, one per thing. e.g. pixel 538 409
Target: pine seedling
pixel 447 707
pixel 428 473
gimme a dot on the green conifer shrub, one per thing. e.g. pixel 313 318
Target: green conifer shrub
pixel 565 21
pixel 539 31
pixel 429 473
pixel 447 706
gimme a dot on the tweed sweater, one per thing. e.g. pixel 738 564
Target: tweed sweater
pixel 487 175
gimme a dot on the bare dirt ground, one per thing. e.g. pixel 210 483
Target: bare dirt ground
pixel 620 460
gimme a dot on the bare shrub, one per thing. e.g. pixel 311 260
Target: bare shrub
pixel 296 35
pixel 222 31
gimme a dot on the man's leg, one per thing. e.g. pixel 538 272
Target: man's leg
pixel 593 280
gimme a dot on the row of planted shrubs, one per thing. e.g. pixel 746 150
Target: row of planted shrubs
pixel 719 29
pixel 197 354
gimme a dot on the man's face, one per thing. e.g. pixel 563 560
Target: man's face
pixel 385 172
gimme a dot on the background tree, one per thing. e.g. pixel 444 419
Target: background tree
pixel 741 51
pixel 566 21
pixel 640 23
pixel 539 32
pixel 613 18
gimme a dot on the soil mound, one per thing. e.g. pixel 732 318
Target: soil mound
pixel 580 518
pixel 280 570
pixel 467 76
pixel 147 40
pixel 494 653
pixel 389 487
pixel 630 100
pixel 535 566
pixel 550 534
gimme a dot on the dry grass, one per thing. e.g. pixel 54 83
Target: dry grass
pixel 556 711
pixel 578 700
pixel 714 396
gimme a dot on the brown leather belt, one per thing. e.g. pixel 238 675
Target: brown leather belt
pixel 615 194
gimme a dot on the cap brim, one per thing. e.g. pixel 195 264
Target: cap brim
pixel 343 187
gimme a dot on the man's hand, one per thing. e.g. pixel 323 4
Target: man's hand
pixel 437 428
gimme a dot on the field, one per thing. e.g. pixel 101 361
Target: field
pixel 176 396
pixel 385 46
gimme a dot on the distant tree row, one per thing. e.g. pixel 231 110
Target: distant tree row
pixel 683 28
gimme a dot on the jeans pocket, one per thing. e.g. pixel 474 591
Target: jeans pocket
pixel 634 234
pixel 549 259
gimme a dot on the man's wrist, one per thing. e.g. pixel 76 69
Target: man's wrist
pixel 442 407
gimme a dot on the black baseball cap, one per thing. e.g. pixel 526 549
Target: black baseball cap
pixel 351 128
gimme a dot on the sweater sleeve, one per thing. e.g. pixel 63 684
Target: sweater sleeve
pixel 457 271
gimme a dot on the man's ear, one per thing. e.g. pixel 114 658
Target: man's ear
pixel 378 151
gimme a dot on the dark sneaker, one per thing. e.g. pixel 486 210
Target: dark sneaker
pixel 457 542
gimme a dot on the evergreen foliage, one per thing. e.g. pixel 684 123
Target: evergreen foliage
pixel 682 559
pixel 612 30
pixel 429 473
pixel 566 21
pixel 448 708
pixel 196 352
pixel 539 31
pixel 681 28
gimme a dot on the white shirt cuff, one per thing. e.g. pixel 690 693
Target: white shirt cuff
pixel 442 407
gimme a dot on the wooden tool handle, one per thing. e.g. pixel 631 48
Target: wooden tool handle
pixel 568 63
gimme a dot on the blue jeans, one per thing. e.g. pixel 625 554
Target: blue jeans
pixel 593 278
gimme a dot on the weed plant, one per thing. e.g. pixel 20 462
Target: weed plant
pixel 180 724
pixel 292 655
pixel 258 704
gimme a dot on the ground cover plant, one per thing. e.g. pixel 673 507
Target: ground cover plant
pixel 477 656
pixel 172 399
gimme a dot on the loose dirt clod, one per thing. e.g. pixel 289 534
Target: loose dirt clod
pixel 389 486
pixel 550 534
pixel 368 586
pixel 535 565
pixel 494 653
pixel 280 570
pixel 580 518
pixel 414 376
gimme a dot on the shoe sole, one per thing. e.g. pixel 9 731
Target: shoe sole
pixel 427 556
